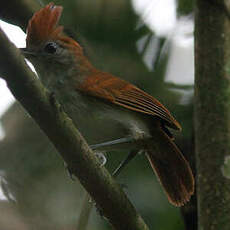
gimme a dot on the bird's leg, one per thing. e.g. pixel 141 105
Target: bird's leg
pixel 113 143
pixel 102 159
pixel 116 172
pixel 130 156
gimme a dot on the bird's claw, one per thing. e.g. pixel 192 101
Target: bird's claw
pixel 101 157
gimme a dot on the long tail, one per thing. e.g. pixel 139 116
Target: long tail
pixel 171 168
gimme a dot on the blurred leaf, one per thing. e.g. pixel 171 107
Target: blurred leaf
pixel 185 7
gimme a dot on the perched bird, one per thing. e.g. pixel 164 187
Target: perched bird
pixel 106 108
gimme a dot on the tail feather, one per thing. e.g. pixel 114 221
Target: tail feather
pixel 171 168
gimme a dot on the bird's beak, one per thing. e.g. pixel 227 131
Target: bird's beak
pixel 27 53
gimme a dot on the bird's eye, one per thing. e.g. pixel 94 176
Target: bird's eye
pixel 51 47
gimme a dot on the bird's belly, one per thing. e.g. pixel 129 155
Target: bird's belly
pixel 100 122
pixel 93 120
pixel 97 129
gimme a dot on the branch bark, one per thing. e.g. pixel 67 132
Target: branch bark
pixel 48 114
pixel 212 111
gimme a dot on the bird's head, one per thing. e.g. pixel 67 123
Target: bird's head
pixel 47 47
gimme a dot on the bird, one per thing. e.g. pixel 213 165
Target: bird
pixel 107 110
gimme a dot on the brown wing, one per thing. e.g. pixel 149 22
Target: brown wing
pixel 120 92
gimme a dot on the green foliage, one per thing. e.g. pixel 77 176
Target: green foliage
pixel 185 7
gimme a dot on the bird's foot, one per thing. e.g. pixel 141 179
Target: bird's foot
pixel 101 157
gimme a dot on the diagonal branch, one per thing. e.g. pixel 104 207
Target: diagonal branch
pixel 48 114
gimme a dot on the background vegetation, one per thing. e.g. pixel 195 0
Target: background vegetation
pixel 33 175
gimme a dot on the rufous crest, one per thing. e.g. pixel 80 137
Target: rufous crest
pixel 43 26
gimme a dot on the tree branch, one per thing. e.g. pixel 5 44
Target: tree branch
pixel 48 114
pixel 212 111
